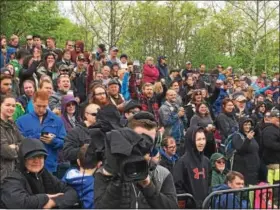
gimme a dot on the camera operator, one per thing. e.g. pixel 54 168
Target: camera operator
pixel 118 186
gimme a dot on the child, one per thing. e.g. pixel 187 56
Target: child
pixel 82 180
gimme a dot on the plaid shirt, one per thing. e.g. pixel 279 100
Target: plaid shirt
pixel 150 105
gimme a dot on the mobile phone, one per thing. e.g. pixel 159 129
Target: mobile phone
pixel 44 133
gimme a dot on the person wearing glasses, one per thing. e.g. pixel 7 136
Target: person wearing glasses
pixel 29 43
pixel 80 135
pixel 131 108
pixel 168 153
pixel 69 112
pixel 219 171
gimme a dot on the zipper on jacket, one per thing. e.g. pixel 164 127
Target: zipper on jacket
pixel 136 196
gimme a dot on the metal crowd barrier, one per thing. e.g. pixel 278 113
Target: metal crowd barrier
pixel 186 201
pixel 255 197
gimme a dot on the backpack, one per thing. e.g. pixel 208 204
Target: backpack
pixel 228 149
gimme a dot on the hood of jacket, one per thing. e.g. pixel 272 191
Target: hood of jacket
pixel 258 106
pixel 214 157
pixel 6 125
pixel 65 100
pixel 243 120
pixel 27 146
pixel 190 142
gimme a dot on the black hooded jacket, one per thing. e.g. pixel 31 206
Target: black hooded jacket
pixel 111 192
pixel 23 189
pixel 246 159
pixel 271 144
pixel 192 170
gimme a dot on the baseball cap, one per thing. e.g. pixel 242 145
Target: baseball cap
pixel 131 104
pixel 81 57
pixel 241 98
pixel 114 49
pixel 36 153
pixel 275 113
pixel 268 92
pixel 188 62
pixel 274 80
pixel 29 37
pixel 113 82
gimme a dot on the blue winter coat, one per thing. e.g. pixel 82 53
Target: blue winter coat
pixel 125 87
pixel 30 127
pixel 227 201
pixel 83 184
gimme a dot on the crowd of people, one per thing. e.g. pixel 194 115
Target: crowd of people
pixel 66 114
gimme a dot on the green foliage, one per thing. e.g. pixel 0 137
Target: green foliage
pixel 243 34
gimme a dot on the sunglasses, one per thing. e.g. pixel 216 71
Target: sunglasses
pixel 220 162
pixel 93 114
pixel 64 70
pixel 71 104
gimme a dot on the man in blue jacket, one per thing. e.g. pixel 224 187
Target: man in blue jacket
pixel 44 125
pixel 234 180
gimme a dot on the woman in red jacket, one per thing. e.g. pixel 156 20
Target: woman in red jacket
pixel 150 72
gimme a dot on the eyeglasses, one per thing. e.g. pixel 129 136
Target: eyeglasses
pixel 172 147
pixel 70 45
pixel 100 94
pixel 71 104
pixel 92 114
pixel 220 162
pixel 64 70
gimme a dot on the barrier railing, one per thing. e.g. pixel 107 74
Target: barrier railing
pixel 186 201
pixel 255 197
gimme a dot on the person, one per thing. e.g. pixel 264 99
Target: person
pixel 219 171
pixel 79 78
pixel 29 90
pixel 271 146
pixel 217 105
pixel 100 49
pixel 151 192
pixel 6 84
pixel 69 45
pixel 123 63
pixel 47 86
pixel 45 126
pixel 187 72
pixel 112 57
pixel 246 158
pixel 269 99
pixel 79 49
pixel 80 135
pixel 114 94
pixel 203 118
pixel 191 172
pixel 240 107
pixel 66 60
pixel 131 107
pixel 48 66
pixel 32 185
pixel 226 121
pixel 234 180
pixel 106 75
pixel 174 85
pixel 29 43
pixel 168 153
pixel 82 179
pixel 259 113
pixel 173 118
pixel 69 112
pixel 188 89
pixel 150 72
pixel 15 80
pixel 162 67
pixel 63 83
pixel 150 101
pixel 10 136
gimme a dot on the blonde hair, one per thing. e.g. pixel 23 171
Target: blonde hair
pixel 149 59
pixel 13 37
pixel 158 87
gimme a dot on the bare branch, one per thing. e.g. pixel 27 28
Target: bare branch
pixel 271 31
pixel 100 16
pixel 244 10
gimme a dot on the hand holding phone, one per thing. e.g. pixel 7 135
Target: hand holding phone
pixel 47 137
